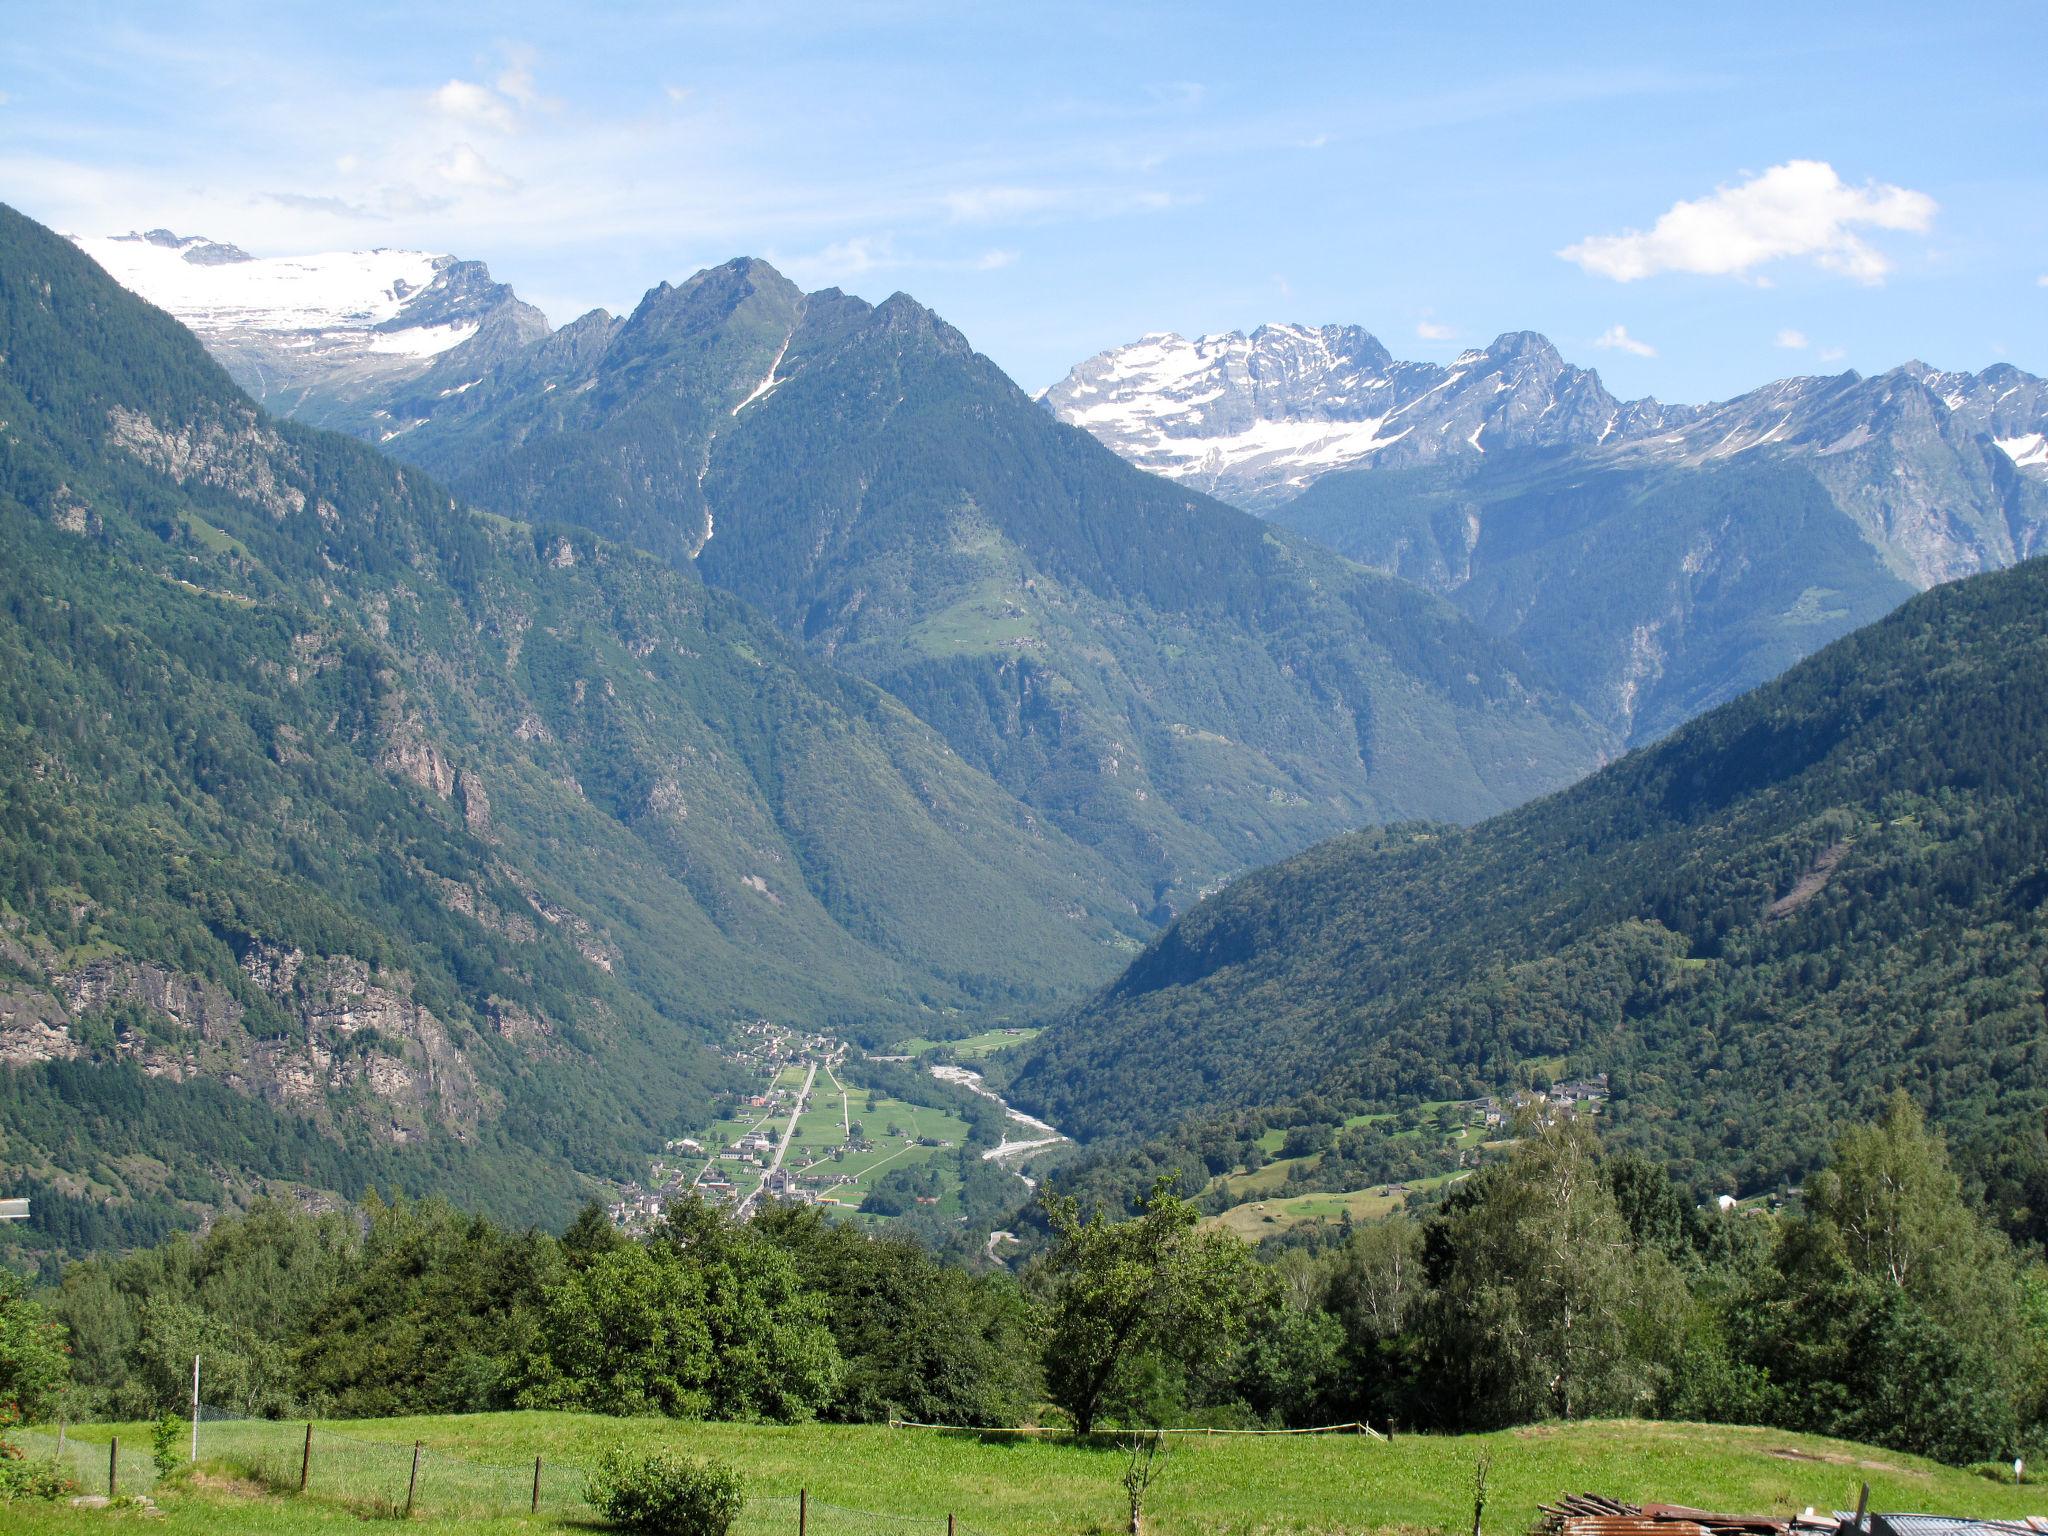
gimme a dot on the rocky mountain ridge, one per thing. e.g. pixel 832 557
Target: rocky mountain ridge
pixel 1255 419
pixel 351 836
pixel 1159 675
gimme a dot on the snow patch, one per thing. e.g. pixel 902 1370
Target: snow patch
pixel 765 386
pixel 2028 452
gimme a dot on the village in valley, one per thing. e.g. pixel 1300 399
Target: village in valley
pixel 800 1131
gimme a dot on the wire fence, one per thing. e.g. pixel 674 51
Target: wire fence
pixel 94 1465
pixel 1063 1431
pixel 380 1478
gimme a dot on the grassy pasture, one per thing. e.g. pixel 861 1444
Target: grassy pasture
pixel 1268 1218
pixel 973 1047
pixel 1024 1487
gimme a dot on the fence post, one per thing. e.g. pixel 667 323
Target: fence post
pixel 306 1460
pixel 195 1408
pixel 412 1482
pixel 949 1523
pixel 113 1464
pixel 536 1485
pixel 803 1511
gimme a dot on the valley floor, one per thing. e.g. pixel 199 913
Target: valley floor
pixel 866 1480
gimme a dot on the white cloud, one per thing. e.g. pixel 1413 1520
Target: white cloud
pixel 462 166
pixel 1800 209
pixel 1793 341
pixel 467 102
pixel 1617 339
pixel 516 83
pixel 2041 281
pixel 1833 354
pixel 1432 330
pixel 994 261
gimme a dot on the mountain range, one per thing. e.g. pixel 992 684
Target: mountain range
pixel 349 835
pixel 1256 419
pixel 428 807
pixel 1652 559
pixel 1180 687
pixel 1660 558
pixel 322 338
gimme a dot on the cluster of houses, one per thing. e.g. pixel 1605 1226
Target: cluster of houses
pixel 686 1163
pixel 1583 1097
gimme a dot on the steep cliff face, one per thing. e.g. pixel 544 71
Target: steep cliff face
pixel 362 1047
pixel 1152 673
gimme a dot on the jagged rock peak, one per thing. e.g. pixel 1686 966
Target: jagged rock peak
pixel 1255 418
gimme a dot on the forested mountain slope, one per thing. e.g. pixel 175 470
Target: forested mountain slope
pixel 348 835
pixel 1161 676
pixel 1832 887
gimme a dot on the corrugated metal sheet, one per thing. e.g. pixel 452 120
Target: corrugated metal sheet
pixel 1943 1525
pixel 1628 1525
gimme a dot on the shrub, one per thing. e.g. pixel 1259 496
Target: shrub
pixel 664 1493
pixel 23 1476
pixel 164 1436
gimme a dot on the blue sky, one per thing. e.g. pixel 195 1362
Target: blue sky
pixel 1694 199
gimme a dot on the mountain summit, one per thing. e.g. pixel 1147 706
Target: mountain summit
pixel 1256 418
pixel 1159 675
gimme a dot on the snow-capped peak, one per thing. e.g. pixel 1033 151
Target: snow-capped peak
pixel 1255 418
pixel 316 333
pixel 331 291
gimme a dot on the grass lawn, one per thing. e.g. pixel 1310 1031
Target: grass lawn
pixel 1020 1487
pixel 1260 1182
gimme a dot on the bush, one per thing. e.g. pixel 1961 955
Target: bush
pixel 164 1437
pixel 664 1493
pixel 24 1477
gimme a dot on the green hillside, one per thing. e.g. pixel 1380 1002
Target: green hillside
pixel 1168 680
pixel 1823 891
pixel 347 836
